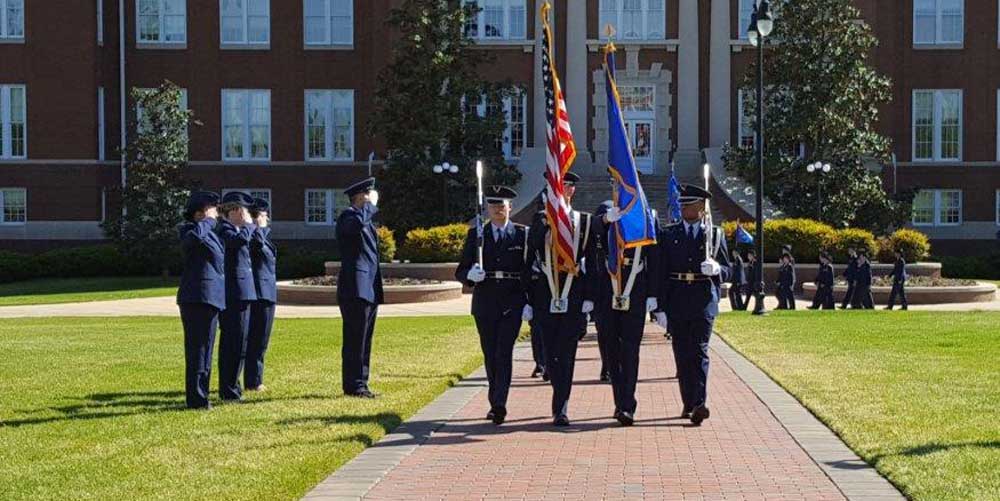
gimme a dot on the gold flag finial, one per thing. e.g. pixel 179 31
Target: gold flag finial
pixel 546 7
pixel 609 30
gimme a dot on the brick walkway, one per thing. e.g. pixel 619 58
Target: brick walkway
pixel 742 453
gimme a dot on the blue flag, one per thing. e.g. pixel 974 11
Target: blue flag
pixel 742 235
pixel 636 227
pixel 674 198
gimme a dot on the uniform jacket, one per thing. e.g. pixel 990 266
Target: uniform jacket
pixel 738 277
pixel 239 272
pixel 825 276
pixel 678 254
pixel 643 287
pixel 751 273
pixel 360 275
pixel 899 271
pixel 584 287
pixel 496 297
pixel 786 275
pixel 204 277
pixel 851 273
pixel 864 275
pixel 263 255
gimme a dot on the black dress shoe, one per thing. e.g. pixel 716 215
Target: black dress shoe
pixel 699 414
pixel 561 420
pixel 617 412
pixel 626 418
pixel 499 416
pixel 491 415
pixel 686 413
pixel 605 378
pixel 363 394
pixel 545 376
pixel 537 372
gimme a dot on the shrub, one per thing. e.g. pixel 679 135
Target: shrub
pixel 981 267
pixel 441 244
pixel 852 238
pixel 912 243
pixel 807 237
pixel 14 266
pixel 386 244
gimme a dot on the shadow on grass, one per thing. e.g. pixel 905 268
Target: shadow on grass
pixel 927 449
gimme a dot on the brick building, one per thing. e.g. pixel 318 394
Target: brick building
pixel 283 91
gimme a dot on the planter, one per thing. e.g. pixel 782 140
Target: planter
pixel 982 293
pixel 323 295
pixel 444 272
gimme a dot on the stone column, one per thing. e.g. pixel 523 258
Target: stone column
pixel 575 80
pixel 687 77
pixel 720 78
pixel 538 107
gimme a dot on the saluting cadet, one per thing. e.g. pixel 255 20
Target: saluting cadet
pixel 786 282
pixel 562 313
pixel 602 307
pixel 202 293
pixel 899 277
pixel 690 287
pixel 752 283
pixel 498 295
pixel 824 284
pixel 737 283
pixel 263 255
pixel 851 275
pixel 862 297
pixel 236 231
pixel 359 285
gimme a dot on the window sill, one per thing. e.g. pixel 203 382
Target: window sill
pixel 246 161
pixel 318 225
pixel 7 160
pixel 338 47
pixel 12 41
pixel 22 223
pixel 244 46
pixel 670 44
pixel 528 46
pixel 938 46
pixel 944 162
pixel 161 45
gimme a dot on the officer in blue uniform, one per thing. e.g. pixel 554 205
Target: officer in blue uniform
pixel 862 297
pixel 202 293
pixel 786 282
pixel 263 256
pixel 690 286
pixel 851 274
pixel 562 313
pixel 752 285
pixel 236 231
pixel 359 285
pixel 824 284
pixel 737 282
pixel 899 277
pixel 498 295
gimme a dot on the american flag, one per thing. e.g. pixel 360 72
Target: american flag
pixel 559 157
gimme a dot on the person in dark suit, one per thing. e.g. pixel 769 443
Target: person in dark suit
pixel 690 287
pixel 359 285
pixel 236 231
pixel 499 301
pixel 602 307
pixel 786 283
pixel 537 341
pixel 561 300
pixel 899 277
pixel 737 282
pixel 202 293
pixel 824 284
pixel 862 297
pixel 263 256
pixel 851 275
pixel 751 275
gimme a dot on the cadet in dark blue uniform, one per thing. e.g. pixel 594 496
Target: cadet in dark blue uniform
pixel 498 296
pixel 202 293
pixel 824 284
pixel 786 282
pixel 690 287
pixel 737 282
pixel 537 341
pixel 263 255
pixel 899 277
pixel 851 274
pixel 751 275
pixel 862 297
pixel 602 307
pixel 562 315
pixel 236 231
pixel 359 285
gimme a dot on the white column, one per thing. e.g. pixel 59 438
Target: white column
pixel 720 78
pixel 575 81
pixel 687 77
pixel 538 109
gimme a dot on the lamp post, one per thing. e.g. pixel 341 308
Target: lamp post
pixel 819 168
pixel 443 169
pixel 761 24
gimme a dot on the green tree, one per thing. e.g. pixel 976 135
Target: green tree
pixel 426 110
pixel 822 104
pixel 155 191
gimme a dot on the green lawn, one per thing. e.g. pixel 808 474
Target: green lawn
pixel 93 408
pixel 917 394
pixel 74 290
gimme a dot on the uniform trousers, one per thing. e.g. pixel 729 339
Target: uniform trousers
pixel 561 333
pixel 200 322
pixel 690 343
pixel 497 335
pixel 624 328
pixel 356 351
pixel 235 327
pixel 261 322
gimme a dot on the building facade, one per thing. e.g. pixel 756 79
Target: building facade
pixel 283 90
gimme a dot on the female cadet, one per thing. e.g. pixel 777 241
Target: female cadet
pixel 262 258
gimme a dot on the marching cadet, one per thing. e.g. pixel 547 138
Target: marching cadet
pixel 786 282
pixel 862 297
pixel 202 293
pixel 359 285
pixel 562 312
pixel 537 343
pixel 690 286
pixel 824 284
pixel 263 255
pixel 737 283
pixel 236 231
pixel 602 307
pixel 499 301
pixel 899 277
pixel 851 275
pixel 752 283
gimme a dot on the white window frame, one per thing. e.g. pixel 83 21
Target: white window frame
pixel 3 221
pixel 328 41
pixel 247 125
pixel 245 42
pixel 507 6
pixel 254 192
pixel 936 125
pixel 4 35
pixel 101 138
pixel 507 142
pixel 100 23
pixel 938 35
pixel 6 121
pixel 329 139
pixel 649 24
pixel 743 15
pixel 332 210
pixel 161 34
pixel 938 208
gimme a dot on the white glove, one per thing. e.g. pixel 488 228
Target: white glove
pixel 373 197
pixel 661 319
pixel 651 304
pixel 527 313
pixel 711 268
pixel 476 274
pixel 588 306
pixel 613 214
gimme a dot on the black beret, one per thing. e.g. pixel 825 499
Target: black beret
pixel 363 186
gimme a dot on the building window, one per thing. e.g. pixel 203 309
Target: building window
pixel 329 22
pixel 262 193
pixel 141 122
pixel 100 124
pixel 497 20
pixel 329 125
pixel 937 208
pixel 514 108
pixel 13 126
pixel 11 19
pixel 100 22
pixel 938 22
pixel 937 125
pixel 747 125
pixel 246 124
pixel 746 13
pixel 323 206
pixel 634 19
pixel 245 22
pixel 15 207
pixel 162 21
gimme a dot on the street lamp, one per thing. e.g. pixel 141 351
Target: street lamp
pixel 819 168
pixel 761 25
pixel 445 168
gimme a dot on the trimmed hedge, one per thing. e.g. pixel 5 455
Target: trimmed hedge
pixel 808 237
pixel 440 244
pixel 912 243
pixel 386 244
pixel 852 238
pixel 980 267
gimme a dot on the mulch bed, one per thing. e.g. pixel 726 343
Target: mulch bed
pixel 921 282
pixel 331 281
